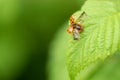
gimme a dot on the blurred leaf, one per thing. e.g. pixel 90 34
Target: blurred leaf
pixel 99 39
pixel 57 60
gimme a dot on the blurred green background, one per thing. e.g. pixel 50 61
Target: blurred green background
pixel 27 27
pixel 28 49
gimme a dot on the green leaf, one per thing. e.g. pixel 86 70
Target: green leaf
pixel 57 59
pixel 100 38
pixel 107 70
pixel 56 67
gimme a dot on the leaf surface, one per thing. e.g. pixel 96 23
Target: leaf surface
pixel 100 38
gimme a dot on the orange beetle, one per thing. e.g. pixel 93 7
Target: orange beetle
pixel 75 26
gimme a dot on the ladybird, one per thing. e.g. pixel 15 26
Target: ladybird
pixel 76 26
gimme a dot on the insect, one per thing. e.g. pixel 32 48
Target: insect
pixel 76 26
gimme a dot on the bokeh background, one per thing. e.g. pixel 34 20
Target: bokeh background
pixel 27 27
